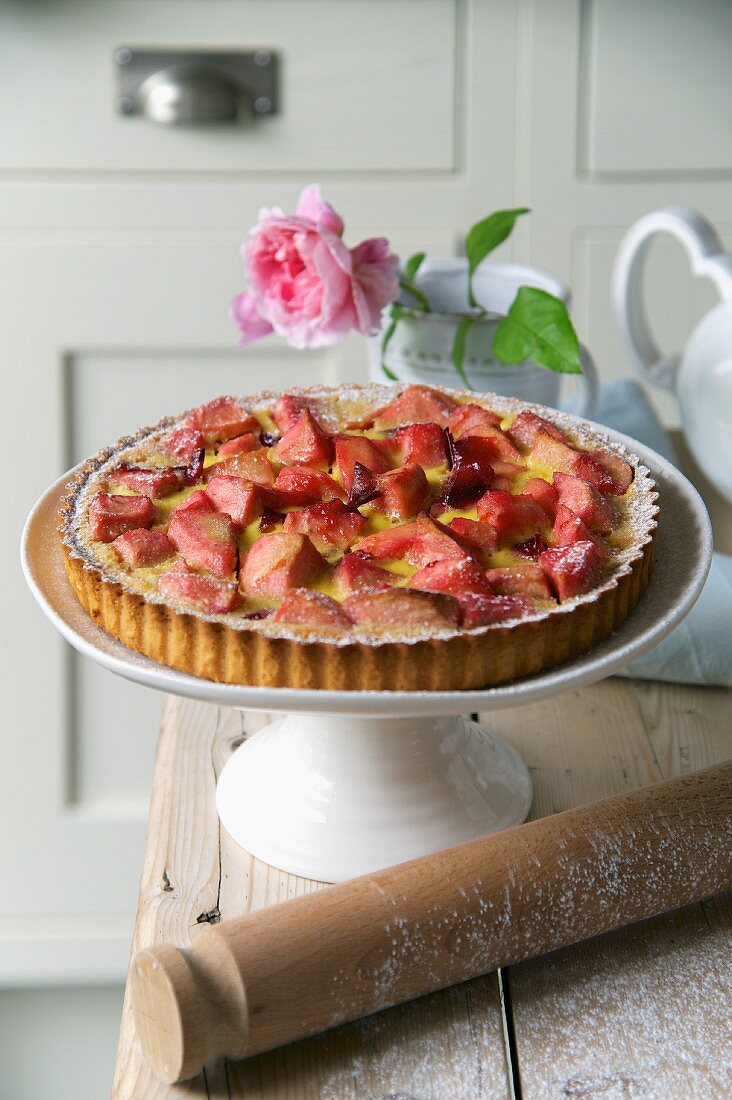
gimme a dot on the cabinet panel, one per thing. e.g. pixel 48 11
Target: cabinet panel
pixel 657 86
pixel 353 75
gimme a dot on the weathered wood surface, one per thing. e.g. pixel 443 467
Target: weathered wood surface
pixel 644 1011
pixel 449 1044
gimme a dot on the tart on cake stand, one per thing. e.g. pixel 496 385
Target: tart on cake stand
pixel 347 782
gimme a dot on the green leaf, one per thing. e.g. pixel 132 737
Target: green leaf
pixel 458 347
pixel 413 265
pixel 486 235
pixel 395 314
pixel 537 326
pixel 406 282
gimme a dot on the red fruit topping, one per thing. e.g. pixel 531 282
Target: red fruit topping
pixel 569 528
pixel 195 471
pixel 479 610
pixel 221 419
pixel 159 482
pixel 241 444
pixel 305 443
pixel 111 516
pixel 532 549
pixel 213 597
pixel 278 562
pixel 182 443
pixel 423 444
pixel 236 497
pixel 471 419
pixel 312 485
pixel 513 518
pixel 524 429
pixel 287 410
pixel 355 572
pixel 254 466
pixel 478 538
pixel 403 492
pixel 416 405
pixel 543 493
pixel 330 526
pixel 552 452
pixel 364 486
pixel 465 483
pixel 479 449
pixel 142 547
pixel 196 502
pixel 350 449
pixel 607 472
pixel 420 542
pixel 587 502
pixel 271 519
pixel 305 608
pixel 205 540
pixel 572 570
pixel 520 580
pixel 397 608
pixel 454 577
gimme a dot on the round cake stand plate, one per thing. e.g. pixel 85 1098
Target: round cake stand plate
pixel 348 782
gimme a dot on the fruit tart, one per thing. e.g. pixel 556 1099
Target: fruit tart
pixel 361 537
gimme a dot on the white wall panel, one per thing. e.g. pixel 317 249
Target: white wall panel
pixel 657 87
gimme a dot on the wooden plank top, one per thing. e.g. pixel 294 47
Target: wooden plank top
pixel 644 1011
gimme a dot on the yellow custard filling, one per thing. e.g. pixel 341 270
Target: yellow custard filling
pixel 146 577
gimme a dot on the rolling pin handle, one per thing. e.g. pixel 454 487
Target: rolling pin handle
pixel 190 1006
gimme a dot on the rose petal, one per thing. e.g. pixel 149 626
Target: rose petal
pixel 312 205
pixel 252 326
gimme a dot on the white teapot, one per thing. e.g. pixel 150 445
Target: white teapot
pixel 702 375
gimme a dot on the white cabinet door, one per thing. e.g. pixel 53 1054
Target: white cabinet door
pixel 119 253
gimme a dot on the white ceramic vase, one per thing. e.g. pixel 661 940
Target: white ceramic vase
pixel 421 348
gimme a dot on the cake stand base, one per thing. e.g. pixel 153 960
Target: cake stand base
pixel 332 797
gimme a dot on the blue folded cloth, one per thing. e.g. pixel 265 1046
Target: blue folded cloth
pixel 699 650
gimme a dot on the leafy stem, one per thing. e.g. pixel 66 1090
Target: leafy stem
pixel 486 235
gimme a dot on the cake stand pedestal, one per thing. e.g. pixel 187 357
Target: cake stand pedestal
pixel 349 782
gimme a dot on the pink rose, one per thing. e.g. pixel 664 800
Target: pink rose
pixel 305 284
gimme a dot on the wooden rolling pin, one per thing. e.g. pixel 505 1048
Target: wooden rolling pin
pixel 305 965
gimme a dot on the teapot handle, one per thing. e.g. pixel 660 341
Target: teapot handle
pixel 707 258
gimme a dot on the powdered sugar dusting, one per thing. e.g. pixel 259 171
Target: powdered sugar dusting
pixel 335 407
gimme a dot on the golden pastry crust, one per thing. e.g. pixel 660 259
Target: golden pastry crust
pixel 231 649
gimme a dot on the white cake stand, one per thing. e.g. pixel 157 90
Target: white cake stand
pixel 349 782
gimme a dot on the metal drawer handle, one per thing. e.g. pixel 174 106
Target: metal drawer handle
pixel 181 89
pixel 181 96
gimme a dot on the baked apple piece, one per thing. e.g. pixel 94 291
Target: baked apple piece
pixel 402 493
pixel 420 542
pixel 453 577
pixel 111 516
pixel 221 419
pixel 424 444
pixel 254 466
pixel 401 607
pixel 572 570
pixel 513 518
pixel 543 493
pixel 330 526
pixel 356 572
pixel 416 405
pixel 353 449
pixel 239 445
pixel 477 609
pixel 478 538
pixel 523 431
pixel 311 609
pixel 207 594
pixel 474 420
pixel 142 547
pixel 305 443
pixel 311 485
pixel 587 502
pixel 204 538
pixel 182 443
pixel 527 579
pixel 278 562
pixel 236 497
